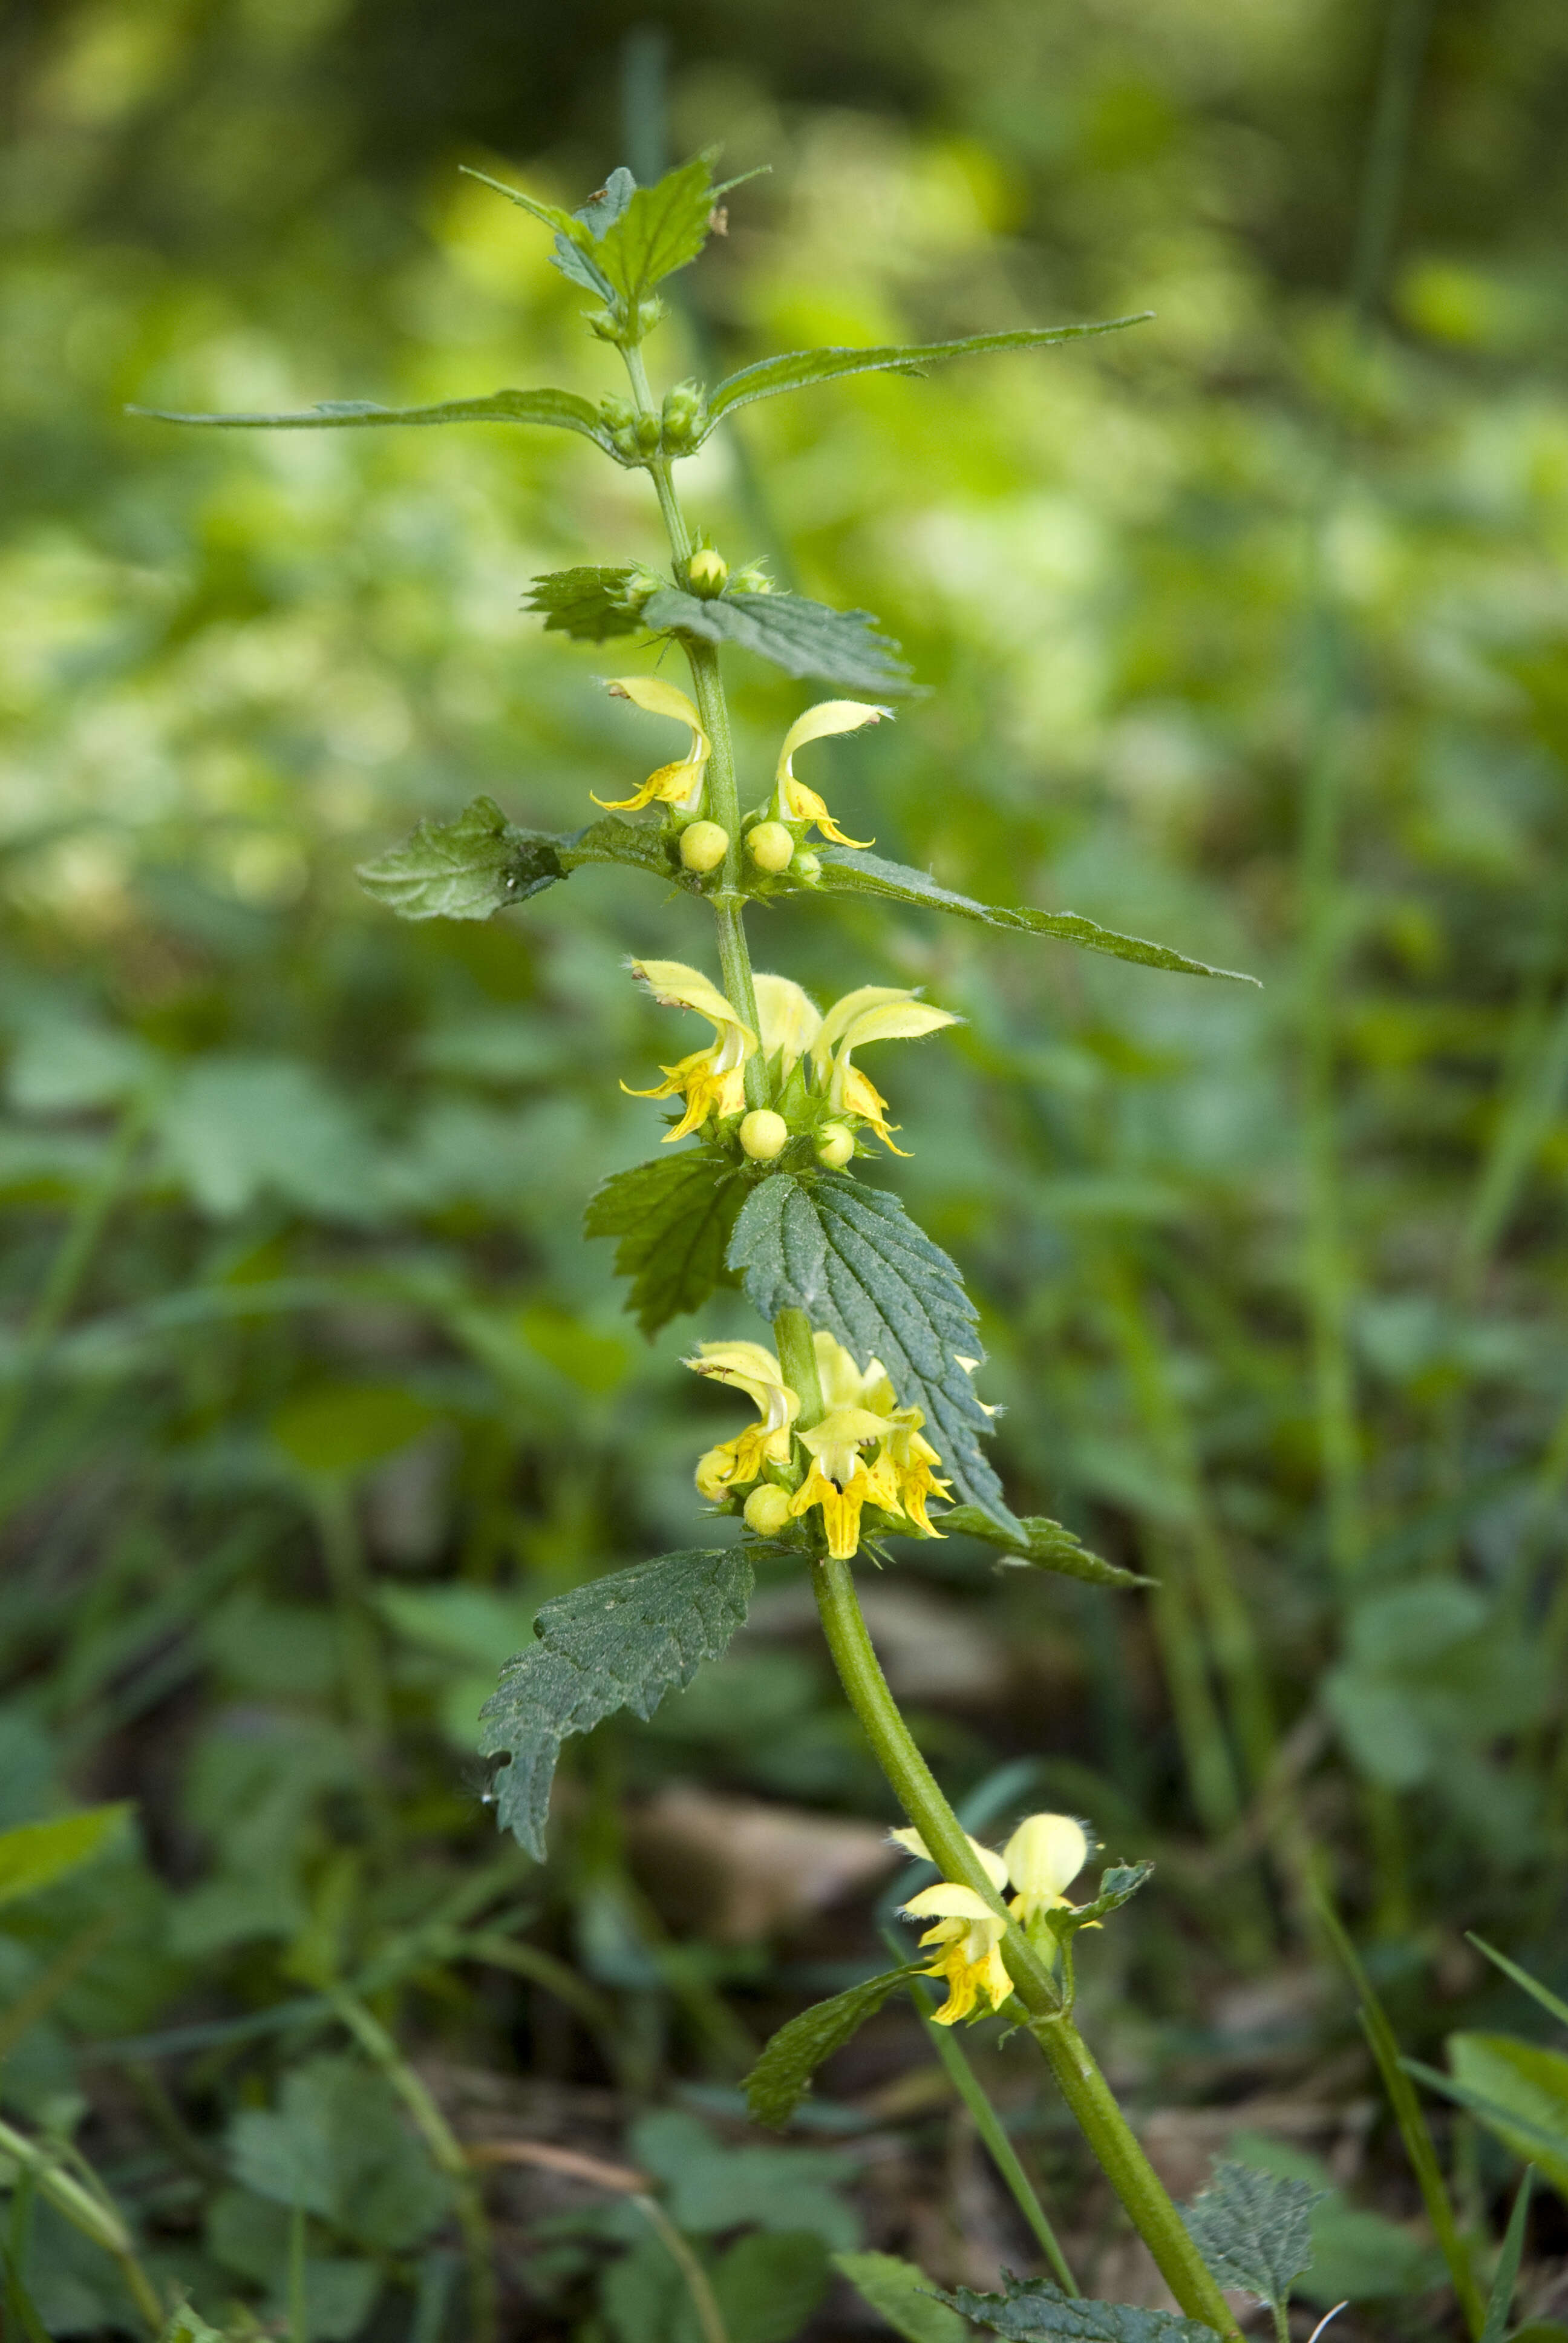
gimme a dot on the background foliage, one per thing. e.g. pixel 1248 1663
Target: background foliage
pixel 1245 630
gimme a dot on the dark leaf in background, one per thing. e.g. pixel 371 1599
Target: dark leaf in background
pixel 1032 2310
pixel 855 1263
pixel 620 1642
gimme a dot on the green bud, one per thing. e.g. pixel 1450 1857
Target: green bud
pixel 617 414
pixel 685 412
pixel 752 579
pixel 645 431
pixel 703 845
pixel 835 1146
pixel 764 1135
pixel 806 866
pixel 706 573
pixel 767 1510
pixel 770 845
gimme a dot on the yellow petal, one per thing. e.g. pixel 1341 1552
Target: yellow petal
pixel 789 1017
pixel 675 986
pixel 843 1383
pixel 948 1901
pixel 1045 1854
pixel 895 1020
pixel 844 1012
pixel 818 723
pixel 660 698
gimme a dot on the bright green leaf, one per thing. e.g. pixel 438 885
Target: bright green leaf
pixel 563 409
pixel 1043 1543
pixel 848 871
pixel 674 1217
pixel 35 1855
pixel 656 230
pixel 800 369
pixel 853 1260
pixel 902 2294
pixel 620 1642
pixel 591 604
pixel 782 2075
pixel 463 869
pixel 802 636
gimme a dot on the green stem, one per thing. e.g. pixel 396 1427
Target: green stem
pixel 699 2285
pixel 446 2154
pixel 792 1339
pixel 1078 2078
pixel 94 2219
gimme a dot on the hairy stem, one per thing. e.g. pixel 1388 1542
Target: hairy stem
pixel 798 1365
pixel 1078 2078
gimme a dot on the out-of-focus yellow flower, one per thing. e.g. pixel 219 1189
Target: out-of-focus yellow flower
pixel 678 785
pixel 711 1080
pixel 876 1012
pixel 751 1368
pixel 792 800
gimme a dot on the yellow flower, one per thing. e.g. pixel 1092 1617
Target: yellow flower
pixel 863 1406
pixel 789 1019
pixel 993 1864
pixel 968 1936
pixel 792 800
pixel 751 1368
pixel 838 1480
pixel 678 785
pixel 1043 1856
pixel 711 1080
pixel 876 1012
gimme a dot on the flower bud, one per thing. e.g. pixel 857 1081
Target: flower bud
pixel 764 1135
pixel 647 433
pixel 767 1509
pixel 707 572
pixel 835 1145
pixel 770 845
pixel 753 579
pixel 683 416
pixel 808 866
pixel 703 845
pixel 615 414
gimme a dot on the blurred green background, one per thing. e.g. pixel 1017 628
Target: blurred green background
pixel 1245 630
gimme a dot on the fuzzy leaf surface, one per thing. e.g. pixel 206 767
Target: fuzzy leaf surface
pixel 592 604
pixel 800 369
pixel 563 409
pixel 463 869
pixel 656 230
pixel 620 1642
pixel 853 1260
pixel 1033 2309
pixel 782 2076
pixel 902 2294
pixel 1255 2229
pixel 673 1217
pixel 848 870
pixel 640 845
pixel 1044 1544
pixel 802 636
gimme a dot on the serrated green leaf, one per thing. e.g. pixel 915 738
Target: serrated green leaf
pixel 1043 1543
pixel 673 1217
pixel 800 369
pixel 35 1855
pixel 562 409
pixel 1119 1883
pixel 620 1642
pixel 463 869
pixel 802 636
pixel 591 604
pixel 853 1260
pixel 902 2294
pixel 1255 2229
pixel 1033 2309
pixel 782 2076
pixel 657 229
pixel 849 870
pixel 643 846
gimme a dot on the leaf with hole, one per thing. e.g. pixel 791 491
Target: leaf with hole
pixel 854 1261
pixel 620 1642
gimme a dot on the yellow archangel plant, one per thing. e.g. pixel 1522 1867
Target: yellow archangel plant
pixel 865 1407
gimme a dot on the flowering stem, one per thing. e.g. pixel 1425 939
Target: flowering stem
pixel 1078 2078
pixel 728 898
pixel 797 1365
